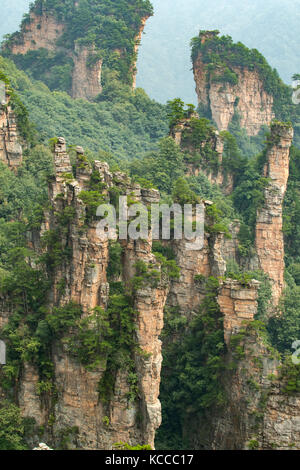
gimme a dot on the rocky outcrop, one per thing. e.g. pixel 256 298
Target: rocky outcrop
pixel 82 278
pixel 223 100
pixel 238 304
pixel 44 32
pixel 258 413
pixel 215 142
pixel 39 32
pixel 136 48
pixel 269 241
pixel 86 79
pixel 11 152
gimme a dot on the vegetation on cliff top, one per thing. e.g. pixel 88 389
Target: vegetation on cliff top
pixel 111 27
pixel 222 58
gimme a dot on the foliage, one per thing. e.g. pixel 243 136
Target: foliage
pixel 284 329
pixel 162 168
pixel 290 377
pixel 114 269
pixel 192 367
pixel 222 57
pixel 177 112
pixel 120 355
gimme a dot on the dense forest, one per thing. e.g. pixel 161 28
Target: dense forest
pixel 132 132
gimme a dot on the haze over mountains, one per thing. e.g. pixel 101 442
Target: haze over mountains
pixel 164 64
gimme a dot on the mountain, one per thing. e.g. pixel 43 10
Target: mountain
pixel 164 66
pixel 11 15
pixel 119 329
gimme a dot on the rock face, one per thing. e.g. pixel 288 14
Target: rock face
pixel 43 32
pixel 10 147
pixel 247 98
pixel 269 237
pixel 84 277
pixel 258 414
pixel 216 143
pixel 86 80
pixel 136 48
pixel 238 304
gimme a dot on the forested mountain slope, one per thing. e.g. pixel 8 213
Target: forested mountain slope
pixel 164 55
pixel 270 26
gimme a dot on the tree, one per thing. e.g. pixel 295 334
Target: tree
pixel 11 427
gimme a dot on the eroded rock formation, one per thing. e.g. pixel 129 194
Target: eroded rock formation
pixel 11 152
pixel 222 99
pixel 43 32
pixel 238 304
pixel 181 132
pixel 269 236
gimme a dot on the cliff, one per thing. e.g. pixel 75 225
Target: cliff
pixel 132 412
pixel 269 241
pixel 43 32
pixel 260 413
pixel 226 89
pixel 68 55
pixel 197 137
pixel 11 152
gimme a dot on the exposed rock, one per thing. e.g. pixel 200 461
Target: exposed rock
pixel 40 32
pixel 43 31
pixel 248 98
pixel 136 48
pixel 238 304
pixel 269 237
pixel 216 143
pixel 42 446
pixel 257 413
pixel 82 278
pixel 11 152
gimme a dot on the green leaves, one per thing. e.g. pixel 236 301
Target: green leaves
pixel 11 427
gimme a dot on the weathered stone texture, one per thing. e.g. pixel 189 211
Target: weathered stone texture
pixel 248 98
pixel 269 236
pixel 238 304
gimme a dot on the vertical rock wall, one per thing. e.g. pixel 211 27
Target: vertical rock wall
pixel 269 241
pixel 10 147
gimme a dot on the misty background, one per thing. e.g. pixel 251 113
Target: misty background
pixel 164 66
